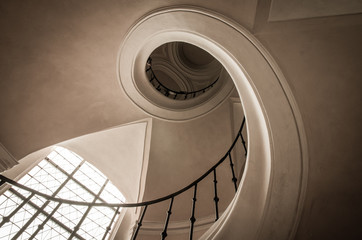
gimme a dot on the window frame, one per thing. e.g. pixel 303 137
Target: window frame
pixel 5 187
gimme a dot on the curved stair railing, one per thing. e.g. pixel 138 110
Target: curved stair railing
pixel 145 204
pixel 173 94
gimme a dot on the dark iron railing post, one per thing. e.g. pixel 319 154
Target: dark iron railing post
pixel 33 205
pixel 169 212
pixel 116 212
pixel 166 91
pixel 36 214
pixel 139 223
pixel 216 198
pixel 242 137
pixel 41 226
pixel 117 206
pixel 8 217
pixel 234 179
pixel 192 218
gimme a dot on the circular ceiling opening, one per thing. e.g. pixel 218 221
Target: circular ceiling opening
pixel 182 71
pixel 174 80
pixel 194 55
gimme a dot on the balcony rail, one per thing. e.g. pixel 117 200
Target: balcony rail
pixel 145 204
pixel 173 94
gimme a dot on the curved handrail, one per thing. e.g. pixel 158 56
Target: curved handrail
pixel 145 204
pixel 173 94
pixel 127 205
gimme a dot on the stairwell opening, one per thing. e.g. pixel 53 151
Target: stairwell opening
pixel 271 192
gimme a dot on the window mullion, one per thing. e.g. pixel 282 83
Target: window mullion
pixel 7 218
pixel 69 177
pixel 76 181
pixel 76 228
pixel 41 226
pixel 44 213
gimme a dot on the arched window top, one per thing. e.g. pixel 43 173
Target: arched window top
pixel 62 174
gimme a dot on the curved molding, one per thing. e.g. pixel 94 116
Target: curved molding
pixel 270 197
pixel 137 46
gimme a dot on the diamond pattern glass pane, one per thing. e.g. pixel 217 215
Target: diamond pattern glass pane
pixel 74 191
pixel 112 194
pixel 96 222
pixel 8 231
pixel 32 227
pixel 69 215
pixel 47 178
pixel 71 157
pixel 52 230
pixel 87 181
pixel 44 178
pixel 8 203
pixel 91 177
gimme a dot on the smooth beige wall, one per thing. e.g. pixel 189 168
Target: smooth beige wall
pixel 321 60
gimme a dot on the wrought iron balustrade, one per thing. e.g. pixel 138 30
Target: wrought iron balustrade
pixel 116 206
pixel 174 94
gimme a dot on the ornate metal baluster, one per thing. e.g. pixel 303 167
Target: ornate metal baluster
pixel 216 198
pixel 152 77
pixel 234 179
pixel 45 204
pixel 192 218
pixel 116 212
pixel 41 226
pixel 139 224
pixel 46 214
pixel 164 232
pixel 8 217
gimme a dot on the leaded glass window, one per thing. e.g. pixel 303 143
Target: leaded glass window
pixel 62 174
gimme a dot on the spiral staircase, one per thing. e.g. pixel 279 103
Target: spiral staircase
pixel 152 94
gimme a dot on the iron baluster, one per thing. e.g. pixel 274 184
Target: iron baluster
pixel 47 202
pixel 50 216
pixel 164 232
pixel 192 218
pixel 41 226
pixel 8 217
pixel 234 179
pixel 216 198
pixel 46 214
pixel 116 212
pixel 139 223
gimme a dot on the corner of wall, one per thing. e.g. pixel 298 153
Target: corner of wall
pixel 7 160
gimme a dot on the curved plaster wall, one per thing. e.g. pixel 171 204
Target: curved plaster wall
pixel 269 199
